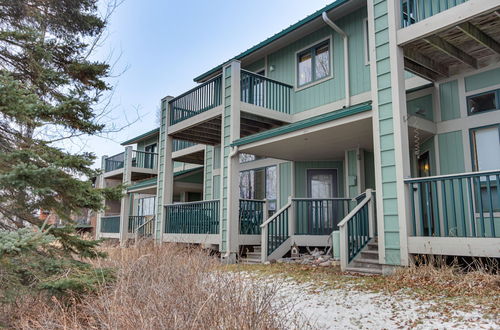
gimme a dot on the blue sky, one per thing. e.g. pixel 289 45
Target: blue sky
pixel 164 44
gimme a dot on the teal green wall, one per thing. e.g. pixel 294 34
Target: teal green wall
pixel 255 66
pixel 161 169
pixel 449 101
pixel 369 170
pixel 216 189
pixel 352 172
pixel 301 175
pixel 285 183
pixel 423 103
pixel 482 80
pixel 225 149
pixel 193 178
pixel 216 157
pixel 208 173
pixel 333 89
pixel 451 153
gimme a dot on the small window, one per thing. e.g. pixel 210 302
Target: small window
pixel 483 102
pixel 313 64
pixel 486 148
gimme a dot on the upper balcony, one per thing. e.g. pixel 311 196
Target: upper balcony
pixel 142 164
pixel 441 38
pixel 195 116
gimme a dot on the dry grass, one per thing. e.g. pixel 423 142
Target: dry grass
pixel 165 287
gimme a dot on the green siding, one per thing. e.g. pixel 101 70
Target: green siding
pixel 482 80
pixel 255 66
pixel 451 153
pixel 216 157
pixel 450 108
pixel 285 183
pixel 421 104
pixel 369 170
pixel 388 197
pixel 216 189
pixel 301 175
pixel 284 62
pixel 193 178
pixel 352 173
pixel 161 169
pixel 208 172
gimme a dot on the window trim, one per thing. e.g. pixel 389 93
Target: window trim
pixel 497 100
pixel 310 48
pixel 473 144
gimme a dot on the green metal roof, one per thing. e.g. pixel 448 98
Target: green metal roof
pixel 153 181
pixel 278 35
pixel 309 122
pixel 142 137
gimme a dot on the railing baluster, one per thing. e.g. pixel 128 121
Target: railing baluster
pixel 490 200
pixel 471 208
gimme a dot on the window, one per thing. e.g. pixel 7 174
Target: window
pixel 245 158
pixel 483 102
pixel 146 206
pixel 313 64
pixel 486 148
pixel 260 184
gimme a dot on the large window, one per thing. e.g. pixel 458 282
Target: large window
pixel 486 148
pixel 260 184
pixel 146 206
pixel 483 102
pixel 313 64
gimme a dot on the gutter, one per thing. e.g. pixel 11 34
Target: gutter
pixel 344 35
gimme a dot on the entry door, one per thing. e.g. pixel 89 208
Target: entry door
pixel 323 212
pixel 424 170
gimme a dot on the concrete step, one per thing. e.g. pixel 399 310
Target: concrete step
pixel 369 254
pixel 250 261
pixel 362 270
pixel 253 254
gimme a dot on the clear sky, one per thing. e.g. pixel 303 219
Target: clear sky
pixel 164 44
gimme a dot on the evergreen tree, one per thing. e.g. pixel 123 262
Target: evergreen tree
pixel 48 90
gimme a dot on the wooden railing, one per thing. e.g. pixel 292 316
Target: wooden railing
pixel 357 228
pixel 110 224
pixel 146 229
pixel 114 162
pixel 265 92
pixel 413 11
pixel 197 100
pixel 192 218
pixel 252 214
pixel 315 216
pixel 457 205
pixel 134 221
pixel 144 159
pixel 275 230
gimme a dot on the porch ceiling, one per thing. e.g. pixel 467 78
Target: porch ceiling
pixel 192 158
pixel 209 132
pixel 469 45
pixel 325 142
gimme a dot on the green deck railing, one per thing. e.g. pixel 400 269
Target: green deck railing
pixel 265 92
pixel 114 162
pixel 192 218
pixel 458 205
pixel 413 11
pixel 197 100
pixel 110 224
pixel 251 216
pixel 358 232
pixel 321 216
pixel 277 230
pixel 144 159
pixel 134 221
pixel 182 144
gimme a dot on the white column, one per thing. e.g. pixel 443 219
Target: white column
pixel 125 202
pixel 100 183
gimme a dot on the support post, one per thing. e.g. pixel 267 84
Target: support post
pixel 125 202
pixel 343 248
pixel 371 214
pixel 263 232
pixel 100 184
pixel 291 217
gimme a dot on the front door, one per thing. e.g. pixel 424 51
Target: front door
pixel 323 211
pixel 424 170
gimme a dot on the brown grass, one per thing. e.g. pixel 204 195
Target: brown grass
pixel 164 287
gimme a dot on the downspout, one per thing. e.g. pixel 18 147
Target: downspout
pixel 346 56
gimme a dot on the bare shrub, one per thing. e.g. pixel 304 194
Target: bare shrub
pixel 166 287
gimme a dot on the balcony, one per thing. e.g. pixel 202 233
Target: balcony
pixel 195 116
pixel 188 152
pixel 142 165
pixel 115 162
pixel 110 224
pixel 413 11
pixel 455 214
pixel 144 160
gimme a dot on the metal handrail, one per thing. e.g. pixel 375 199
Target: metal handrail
pixel 266 78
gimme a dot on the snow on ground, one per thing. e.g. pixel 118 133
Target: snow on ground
pixel 349 309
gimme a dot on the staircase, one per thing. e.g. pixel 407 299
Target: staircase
pixel 253 257
pixel 366 262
